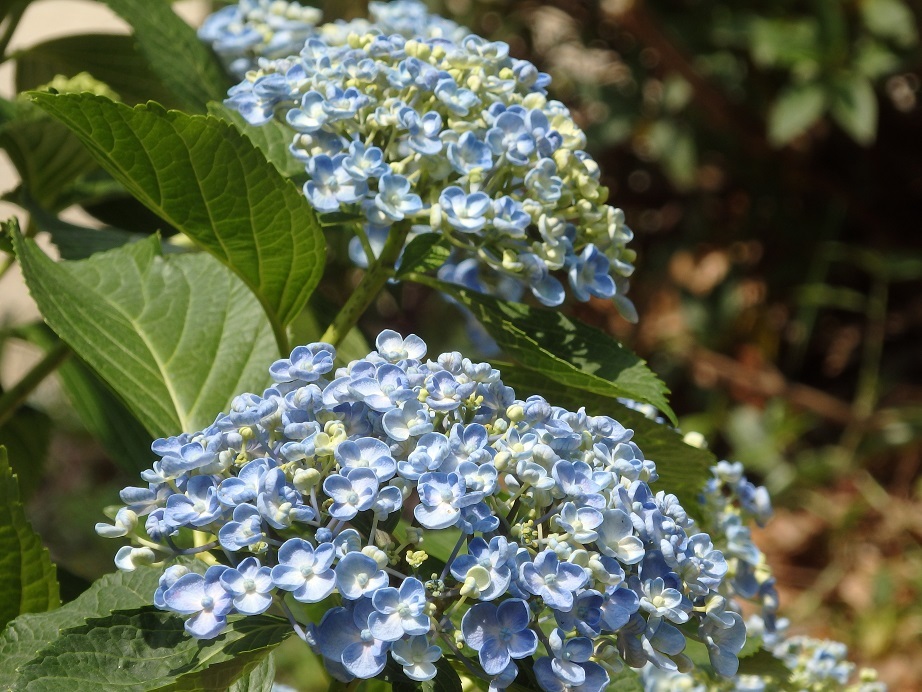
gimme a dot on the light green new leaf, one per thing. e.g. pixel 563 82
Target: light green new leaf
pixel 272 139
pixel 794 111
pixel 176 337
pixel 111 58
pixel 27 577
pixel 854 107
pixel 567 351
pixel 209 181
pixel 204 178
pixel 27 634
pixel 147 649
pixel 174 52
pixel 683 470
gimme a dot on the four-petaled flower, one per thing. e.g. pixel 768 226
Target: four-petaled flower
pixel 499 633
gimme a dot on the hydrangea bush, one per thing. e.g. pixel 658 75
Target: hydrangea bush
pixel 411 125
pixel 409 519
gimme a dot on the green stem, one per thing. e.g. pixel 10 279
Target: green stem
pixel 369 287
pixel 281 335
pixel 10 29
pixel 337 686
pixel 875 335
pixel 13 397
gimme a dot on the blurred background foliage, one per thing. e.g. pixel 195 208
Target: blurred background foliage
pixel 768 156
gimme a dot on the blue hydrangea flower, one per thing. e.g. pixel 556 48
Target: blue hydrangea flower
pixel 358 575
pixel 352 492
pixel 417 657
pixel 399 612
pixel 305 571
pixel 246 529
pixel 251 585
pixel 499 634
pixel 552 580
pixel 494 558
pixel 203 597
pixel 442 496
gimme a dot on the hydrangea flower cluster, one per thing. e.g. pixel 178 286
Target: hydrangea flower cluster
pixel 349 486
pixel 251 29
pixel 241 34
pixel 730 502
pixel 449 134
pixel 818 665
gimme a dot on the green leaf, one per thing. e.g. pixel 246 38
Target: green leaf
pixel 47 156
pixel 103 415
pixel 209 181
pixel 826 296
pixel 174 52
pixel 890 19
pixel 566 351
pixel 854 107
pixel 794 111
pixel 260 679
pixel 674 146
pixel 446 678
pixel 176 337
pixel 683 470
pixel 144 649
pixel 27 576
pixel 73 241
pixel 23 637
pixel 111 58
pixel 26 635
pixel 874 59
pixel 272 139
pixel 253 671
pixel 784 42
pixel 764 663
pixel 26 438
pixel 627 680
pixel 424 253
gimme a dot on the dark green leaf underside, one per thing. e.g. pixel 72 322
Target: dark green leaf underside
pixel 683 469
pixel 566 351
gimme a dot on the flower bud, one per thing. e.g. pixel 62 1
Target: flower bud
pixel 305 479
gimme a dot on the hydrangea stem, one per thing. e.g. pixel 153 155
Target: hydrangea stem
pixel 369 287
pixel 17 394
